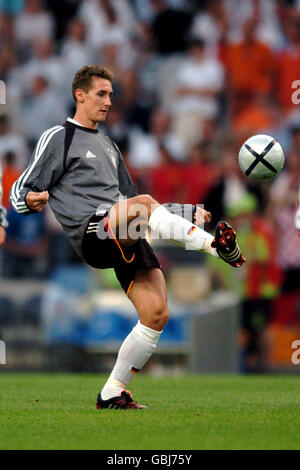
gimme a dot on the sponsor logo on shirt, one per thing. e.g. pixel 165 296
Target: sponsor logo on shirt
pixel 113 156
pixel 89 154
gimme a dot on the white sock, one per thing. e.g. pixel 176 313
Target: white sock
pixel 135 351
pixel 180 231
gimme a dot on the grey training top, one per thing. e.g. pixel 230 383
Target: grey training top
pixel 82 170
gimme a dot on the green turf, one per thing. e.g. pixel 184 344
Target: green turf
pixel 57 411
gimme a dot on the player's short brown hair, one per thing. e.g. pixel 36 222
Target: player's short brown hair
pixel 83 77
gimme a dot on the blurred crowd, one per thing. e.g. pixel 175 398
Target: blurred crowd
pixel 193 80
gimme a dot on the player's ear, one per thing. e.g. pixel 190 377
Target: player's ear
pixel 79 95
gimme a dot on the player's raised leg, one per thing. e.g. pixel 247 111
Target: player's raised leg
pixel 130 219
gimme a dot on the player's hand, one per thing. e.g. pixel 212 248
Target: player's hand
pixel 37 201
pixel 201 216
pixel 2 235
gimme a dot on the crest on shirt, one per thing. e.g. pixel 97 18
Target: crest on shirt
pixel 113 155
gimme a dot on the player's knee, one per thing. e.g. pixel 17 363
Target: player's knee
pixel 160 317
pixel 147 201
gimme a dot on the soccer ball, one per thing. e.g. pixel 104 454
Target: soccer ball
pixel 261 157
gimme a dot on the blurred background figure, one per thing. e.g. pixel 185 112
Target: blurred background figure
pixel 74 48
pixel 197 81
pixel 41 109
pixel 268 15
pixel 261 281
pixel 34 23
pixel 284 206
pixel 210 24
pixel 13 141
pixel 25 248
pixel 144 149
pixel 43 62
pixel 230 186
pixel 243 83
pixel 288 60
pixel 168 19
pixel 106 18
pixel 11 172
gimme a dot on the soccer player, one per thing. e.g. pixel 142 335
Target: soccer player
pixel 83 176
pixel 3 221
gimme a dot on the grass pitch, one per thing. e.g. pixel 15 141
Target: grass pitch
pixel 57 411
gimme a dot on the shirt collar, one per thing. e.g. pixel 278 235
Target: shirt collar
pixel 80 126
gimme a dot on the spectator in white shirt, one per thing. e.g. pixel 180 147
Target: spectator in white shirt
pixel 145 148
pixel 75 50
pixel 41 110
pixel 104 16
pixel 44 63
pixel 268 28
pixel 210 24
pixel 196 84
pixel 34 22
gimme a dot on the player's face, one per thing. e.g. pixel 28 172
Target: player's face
pixel 97 100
